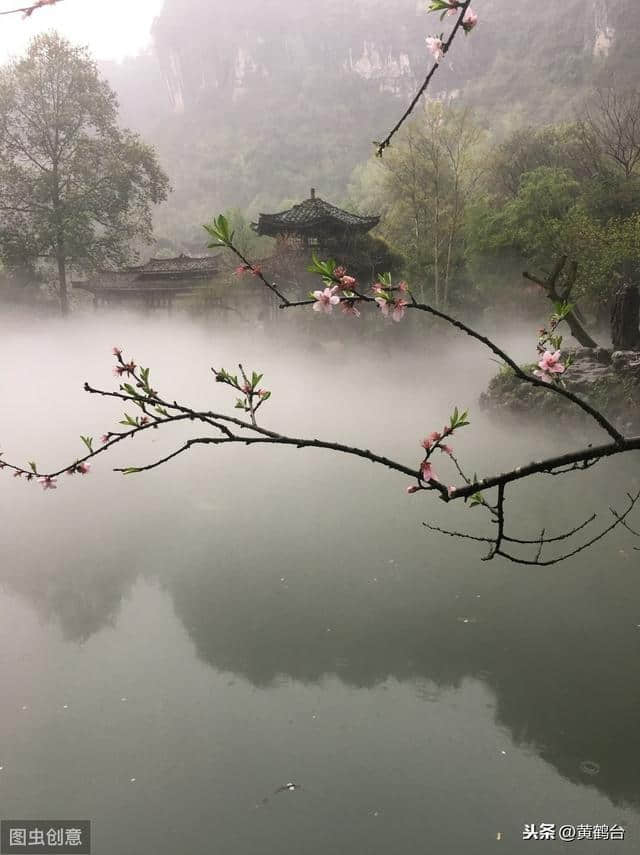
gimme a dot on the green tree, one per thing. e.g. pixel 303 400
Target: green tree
pixel 424 184
pixel 75 189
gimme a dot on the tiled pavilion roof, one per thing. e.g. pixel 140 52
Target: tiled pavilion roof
pixel 312 215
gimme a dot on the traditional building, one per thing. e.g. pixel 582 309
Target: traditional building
pixel 156 283
pixel 314 223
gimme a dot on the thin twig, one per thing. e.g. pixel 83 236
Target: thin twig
pixel 386 142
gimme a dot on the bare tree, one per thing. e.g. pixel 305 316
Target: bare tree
pixel 610 129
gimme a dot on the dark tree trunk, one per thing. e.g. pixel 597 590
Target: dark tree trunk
pixel 62 284
pixel 625 318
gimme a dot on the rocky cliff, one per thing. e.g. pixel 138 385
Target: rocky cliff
pixel 250 103
pixel 210 48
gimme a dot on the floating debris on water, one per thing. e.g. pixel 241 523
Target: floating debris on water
pixel 132 780
pixel 123 699
pixel 467 620
pixel 289 787
pixel 24 707
pixel 65 706
pixel 589 767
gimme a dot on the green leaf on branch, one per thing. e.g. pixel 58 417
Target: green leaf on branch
pixel 130 390
pixel 439 6
pixel 88 441
pixel 322 268
pixel 220 231
pixel 459 419
pixel 129 421
pixel 130 470
pixel 476 499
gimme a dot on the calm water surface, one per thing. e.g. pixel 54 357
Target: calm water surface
pixel 175 646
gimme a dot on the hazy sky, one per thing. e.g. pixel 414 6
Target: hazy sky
pixel 112 29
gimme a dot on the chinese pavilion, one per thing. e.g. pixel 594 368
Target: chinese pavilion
pixel 156 283
pixel 314 223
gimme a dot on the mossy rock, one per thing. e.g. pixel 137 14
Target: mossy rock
pixel 608 381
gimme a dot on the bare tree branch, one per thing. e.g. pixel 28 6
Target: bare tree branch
pixel 386 142
pixel 29 10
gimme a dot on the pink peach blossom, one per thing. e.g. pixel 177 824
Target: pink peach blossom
pixel 339 272
pixel 399 307
pixel 383 304
pixel 428 441
pixel 470 20
pixel 412 489
pixel 402 286
pixel 48 483
pixel 83 468
pixel 347 281
pixel 446 449
pixel 542 375
pixel 255 269
pixel 434 46
pixel 550 362
pixel 549 365
pixel 326 300
pixel 349 308
pixel 427 472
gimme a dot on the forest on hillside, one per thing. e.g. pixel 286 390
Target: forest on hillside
pixel 236 130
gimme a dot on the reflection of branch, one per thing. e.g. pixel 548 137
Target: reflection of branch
pixel 29 10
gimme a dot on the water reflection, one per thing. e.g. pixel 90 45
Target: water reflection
pixel 290 567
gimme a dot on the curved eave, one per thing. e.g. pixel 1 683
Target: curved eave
pixel 268 225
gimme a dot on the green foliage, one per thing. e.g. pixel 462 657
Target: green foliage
pixel 458 420
pixel 88 441
pixel 220 231
pixel 74 187
pixel 422 188
pixel 555 191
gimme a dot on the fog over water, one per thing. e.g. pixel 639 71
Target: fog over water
pixel 176 645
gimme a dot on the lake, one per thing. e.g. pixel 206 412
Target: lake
pixel 176 646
